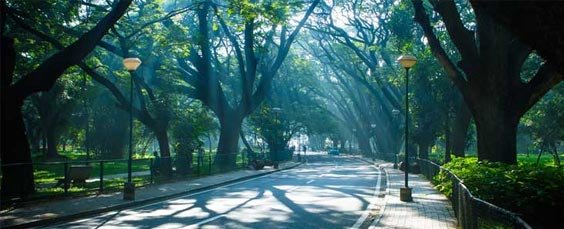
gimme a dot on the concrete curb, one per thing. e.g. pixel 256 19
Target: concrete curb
pixel 383 209
pixel 65 218
pixel 386 192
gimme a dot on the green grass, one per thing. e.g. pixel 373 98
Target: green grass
pixel 111 185
pixel 545 159
pixel 46 174
pixel 49 173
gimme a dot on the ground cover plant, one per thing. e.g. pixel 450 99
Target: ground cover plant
pixel 532 190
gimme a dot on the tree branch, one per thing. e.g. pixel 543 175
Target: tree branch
pixel 455 75
pixel 45 75
pixel 546 78
pixel 462 38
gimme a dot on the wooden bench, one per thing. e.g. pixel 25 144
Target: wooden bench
pixel 78 174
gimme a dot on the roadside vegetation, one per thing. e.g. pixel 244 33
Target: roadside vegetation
pixel 532 190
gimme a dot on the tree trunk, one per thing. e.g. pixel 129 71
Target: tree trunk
pixel 555 154
pixel 448 145
pixel 43 144
pixel 423 147
pixel 462 119
pixel 244 139
pixel 166 160
pixel 364 145
pixel 497 136
pixel 17 180
pixel 52 152
pixel 228 145
pixel 273 150
pixel 342 144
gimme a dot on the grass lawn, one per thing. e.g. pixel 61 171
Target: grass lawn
pixel 47 173
pixel 545 159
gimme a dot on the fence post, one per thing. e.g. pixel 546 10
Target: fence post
pixel 67 182
pixel 209 163
pixel 151 169
pixel 199 158
pixel 101 176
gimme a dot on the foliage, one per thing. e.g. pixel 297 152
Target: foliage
pixel 189 126
pixel 533 191
pixel 545 122
pixel 291 108
pixel 109 134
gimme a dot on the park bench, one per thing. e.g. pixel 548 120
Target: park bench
pixel 78 174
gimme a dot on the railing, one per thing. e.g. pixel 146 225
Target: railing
pixel 51 177
pixel 470 211
pixel 111 174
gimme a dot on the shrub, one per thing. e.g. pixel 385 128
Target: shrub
pixel 535 192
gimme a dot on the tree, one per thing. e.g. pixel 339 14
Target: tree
pixel 258 56
pixel 289 107
pixel 109 135
pixel 55 109
pixel 488 76
pixel 545 122
pixel 18 180
pixel 144 35
pixel 360 111
pixel 436 104
pixel 527 20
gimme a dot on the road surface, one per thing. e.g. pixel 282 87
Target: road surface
pixel 327 192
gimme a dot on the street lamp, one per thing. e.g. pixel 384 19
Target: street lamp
pixel 406 61
pixel 131 64
pixel 395 113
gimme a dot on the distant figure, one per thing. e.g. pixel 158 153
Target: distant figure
pixel 156 163
pixel 304 148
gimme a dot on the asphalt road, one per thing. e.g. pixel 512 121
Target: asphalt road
pixel 327 192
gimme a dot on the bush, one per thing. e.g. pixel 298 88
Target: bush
pixel 536 192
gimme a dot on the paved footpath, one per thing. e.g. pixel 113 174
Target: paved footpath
pixel 60 210
pixel 429 209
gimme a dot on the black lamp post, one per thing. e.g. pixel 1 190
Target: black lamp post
pixel 131 64
pixel 406 61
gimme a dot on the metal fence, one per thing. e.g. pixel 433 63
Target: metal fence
pixel 472 212
pixel 52 178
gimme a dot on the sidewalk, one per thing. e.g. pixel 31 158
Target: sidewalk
pixel 429 209
pixel 121 175
pixel 61 210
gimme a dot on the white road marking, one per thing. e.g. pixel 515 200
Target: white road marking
pixel 372 203
pixel 292 189
pixel 205 221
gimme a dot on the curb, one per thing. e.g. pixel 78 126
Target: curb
pixel 383 209
pixel 386 192
pixel 65 218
